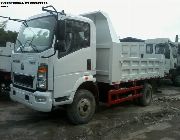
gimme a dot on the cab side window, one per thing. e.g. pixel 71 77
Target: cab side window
pixel 77 35
pixel 149 48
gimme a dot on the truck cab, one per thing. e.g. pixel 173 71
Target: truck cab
pixel 167 48
pixel 5 66
pixel 178 56
pixel 54 54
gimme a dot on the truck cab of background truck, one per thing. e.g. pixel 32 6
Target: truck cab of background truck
pixel 178 55
pixel 5 67
pixel 54 55
pixel 166 47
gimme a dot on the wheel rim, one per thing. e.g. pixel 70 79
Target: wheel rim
pixel 84 107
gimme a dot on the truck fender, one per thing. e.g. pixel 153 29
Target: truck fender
pixel 80 81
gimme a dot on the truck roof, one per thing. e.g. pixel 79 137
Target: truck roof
pixel 105 32
pixel 158 40
pixel 78 17
pixel 131 39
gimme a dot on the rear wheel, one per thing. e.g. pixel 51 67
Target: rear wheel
pixel 176 81
pixel 83 107
pixel 146 98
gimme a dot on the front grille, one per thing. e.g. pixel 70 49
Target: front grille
pixel 23 80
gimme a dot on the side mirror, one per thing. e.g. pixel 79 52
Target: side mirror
pixel 60 34
pixel 61 30
pixel 60 45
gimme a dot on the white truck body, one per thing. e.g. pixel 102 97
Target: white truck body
pixel 121 62
pixel 103 60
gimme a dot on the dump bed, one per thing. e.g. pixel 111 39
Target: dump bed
pixel 121 62
pixel 5 57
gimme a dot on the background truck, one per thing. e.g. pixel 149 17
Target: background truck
pixel 178 57
pixel 177 78
pixel 5 67
pixel 143 53
pixel 76 62
pixel 170 51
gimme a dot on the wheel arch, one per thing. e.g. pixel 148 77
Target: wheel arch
pixel 88 83
pixel 92 87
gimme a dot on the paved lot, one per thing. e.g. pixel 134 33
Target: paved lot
pixel 159 121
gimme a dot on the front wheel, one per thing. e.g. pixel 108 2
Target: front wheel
pixel 83 107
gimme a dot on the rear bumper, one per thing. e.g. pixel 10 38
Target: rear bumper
pixel 40 101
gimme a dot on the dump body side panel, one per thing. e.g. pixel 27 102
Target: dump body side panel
pixel 121 62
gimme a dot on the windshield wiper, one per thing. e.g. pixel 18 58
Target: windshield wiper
pixel 32 45
pixel 21 45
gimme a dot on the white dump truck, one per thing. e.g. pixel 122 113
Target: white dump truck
pixel 77 62
pixel 5 67
pixel 170 51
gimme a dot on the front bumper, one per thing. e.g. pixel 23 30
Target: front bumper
pixel 30 99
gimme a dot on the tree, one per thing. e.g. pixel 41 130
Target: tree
pixel 7 36
pixel 3 24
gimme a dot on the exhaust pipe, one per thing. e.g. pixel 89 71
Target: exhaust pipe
pixel 177 38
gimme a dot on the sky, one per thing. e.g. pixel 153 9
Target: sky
pixel 142 19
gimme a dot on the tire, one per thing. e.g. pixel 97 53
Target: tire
pixel 146 98
pixel 176 81
pixel 136 101
pixel 154 84
pixel 83 107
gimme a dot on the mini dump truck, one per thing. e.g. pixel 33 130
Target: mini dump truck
pixel 171 52
pixel 75 62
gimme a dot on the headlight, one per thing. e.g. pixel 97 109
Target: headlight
pixel 42 77
pixel 40 99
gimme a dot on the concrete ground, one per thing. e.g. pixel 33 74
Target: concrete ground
pixel 127 121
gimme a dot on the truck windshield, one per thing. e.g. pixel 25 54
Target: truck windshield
pixel 36 36
pixel 163 48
